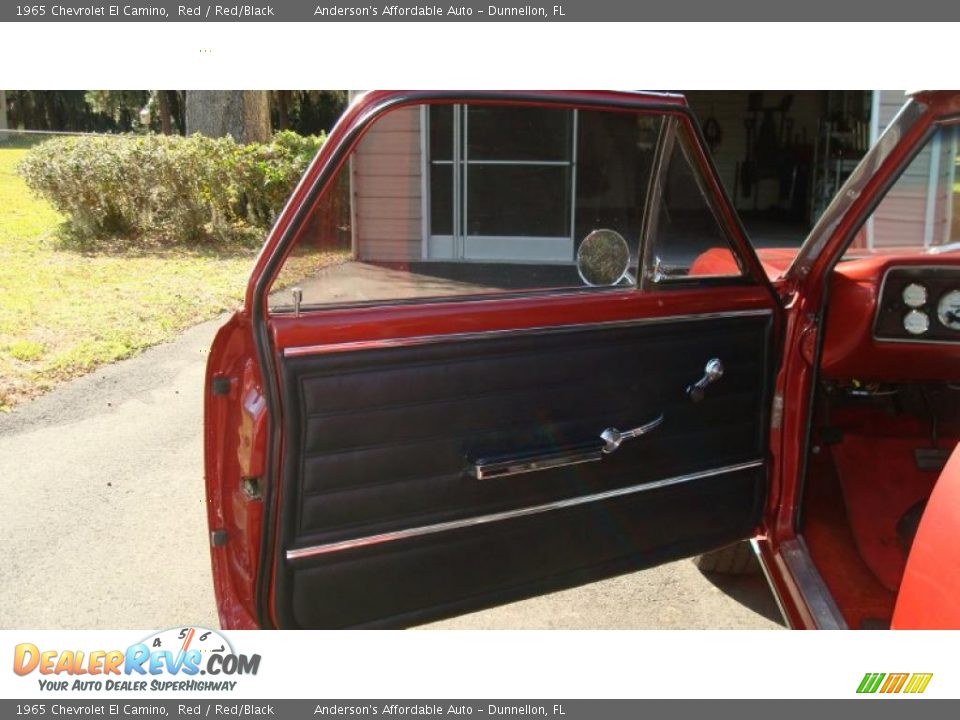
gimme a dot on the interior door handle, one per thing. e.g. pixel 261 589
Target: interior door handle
pixel 712 372
pixel 527 462
pixel 613 438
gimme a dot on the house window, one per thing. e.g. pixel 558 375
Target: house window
pixel 501 183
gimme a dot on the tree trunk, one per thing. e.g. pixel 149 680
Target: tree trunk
pixel 3 116
pixel 283 109
pixel 243 114
pixel 163 107
pixel 176 102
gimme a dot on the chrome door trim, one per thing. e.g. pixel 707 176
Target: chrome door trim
pixel 494 469
pixel 755 546
pixel 366 541
pixel 416 340
pixel 816 596
pixel 522 463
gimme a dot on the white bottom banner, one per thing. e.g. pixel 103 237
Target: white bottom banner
pixel 198 662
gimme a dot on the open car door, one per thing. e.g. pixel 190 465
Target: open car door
pixel 484 354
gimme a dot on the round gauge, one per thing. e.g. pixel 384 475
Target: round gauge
pixel 914 295
pixel 948 310
pixel 916 322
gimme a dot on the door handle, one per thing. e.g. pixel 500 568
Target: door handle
pixel 527 462
pixel 712 372
pixel 613 438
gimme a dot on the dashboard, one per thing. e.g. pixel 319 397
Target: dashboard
pixel 919 303
pixel 894 319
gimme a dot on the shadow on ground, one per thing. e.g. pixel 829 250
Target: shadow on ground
pixel 750 590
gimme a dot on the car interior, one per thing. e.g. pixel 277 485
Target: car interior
pixel 887 407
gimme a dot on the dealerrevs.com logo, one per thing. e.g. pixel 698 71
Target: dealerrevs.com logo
pixel 173 659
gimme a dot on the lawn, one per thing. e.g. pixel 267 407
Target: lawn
pixel 63 312
pixel 955 215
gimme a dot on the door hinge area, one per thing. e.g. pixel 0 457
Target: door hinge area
pixel 808 340
pixel 221 385
pixel 776 412
pixel 251 488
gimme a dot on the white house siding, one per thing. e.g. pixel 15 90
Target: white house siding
pixel 917 210
pixel 886 104
pixel 387 190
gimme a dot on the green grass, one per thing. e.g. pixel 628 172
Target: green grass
pixel 63 312
pixel 955 215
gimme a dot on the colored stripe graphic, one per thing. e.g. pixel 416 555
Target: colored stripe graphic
pixel 918 683
pixel 870 682
pixel 914 683
pixel 894 683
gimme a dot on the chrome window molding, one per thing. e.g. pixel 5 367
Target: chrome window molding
pixel 653 276
pixel 850 191
pixel 416 340
pixel 664 151
pixel 424 530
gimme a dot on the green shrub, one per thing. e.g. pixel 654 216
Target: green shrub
pixel 167 188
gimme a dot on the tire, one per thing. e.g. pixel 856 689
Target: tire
pixel 736 559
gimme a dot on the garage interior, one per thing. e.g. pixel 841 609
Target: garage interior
pixel 782 154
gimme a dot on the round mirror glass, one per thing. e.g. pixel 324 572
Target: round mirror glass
pixel 603 258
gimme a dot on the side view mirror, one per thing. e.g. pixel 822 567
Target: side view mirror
pixel 603 258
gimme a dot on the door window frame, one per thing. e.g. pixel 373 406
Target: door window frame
pixel 334 156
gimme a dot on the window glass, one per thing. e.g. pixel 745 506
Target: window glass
pixel 516 134
pixel 518 201
pixel 688 240
pixel 441 198
pixel 444 201
pixel 922 208
pixel 441 133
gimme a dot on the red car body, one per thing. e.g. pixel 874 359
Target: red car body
pixel 243 446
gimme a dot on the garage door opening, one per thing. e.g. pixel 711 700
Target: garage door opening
pixel 783 154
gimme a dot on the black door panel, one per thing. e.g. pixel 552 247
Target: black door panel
pixel 381 441
pixel 421 579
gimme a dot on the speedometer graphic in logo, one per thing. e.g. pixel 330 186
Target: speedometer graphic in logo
pixel 185 639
